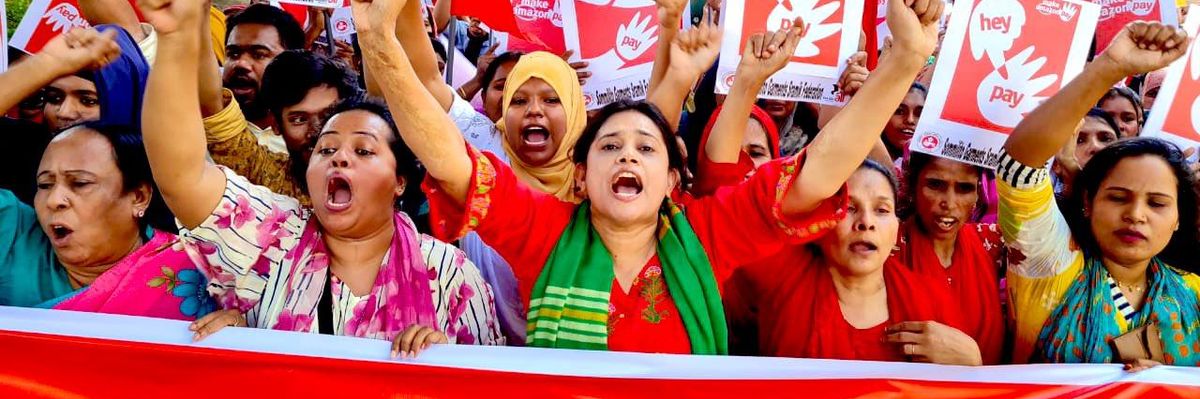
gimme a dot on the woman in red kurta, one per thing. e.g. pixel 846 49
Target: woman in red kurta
pixel 940 241
pixel 843 298
pixel 627 163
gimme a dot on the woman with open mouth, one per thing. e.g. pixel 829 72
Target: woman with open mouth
pixel 781 306
pixel 353 266
pixel 1108 277
pixel 941 240
pixel 576 262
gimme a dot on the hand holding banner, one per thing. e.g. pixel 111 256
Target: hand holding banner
pixel 813 71
pixel 999 61
pixel 1176 113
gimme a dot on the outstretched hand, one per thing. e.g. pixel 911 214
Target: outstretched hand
pixel 693 51
pixel 767 53
pixel 80 49
pixel 1143 46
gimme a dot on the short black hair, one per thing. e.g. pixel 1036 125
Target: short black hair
pixel 129 153
pixel 674 150
pixel 489 73
pixel 291 35
pixel 917 86
pixel 290 76
pixel 438 48
pixel 407 165
pixel 1180 251
pixel 1104 117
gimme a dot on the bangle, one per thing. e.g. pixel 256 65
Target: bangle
pixel 462 93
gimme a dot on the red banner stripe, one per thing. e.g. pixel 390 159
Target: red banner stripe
pixel 54 366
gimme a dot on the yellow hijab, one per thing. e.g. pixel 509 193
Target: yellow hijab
pixel 216 20
pixel 558 175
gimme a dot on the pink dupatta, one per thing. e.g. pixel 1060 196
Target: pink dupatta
pixel 156 280
pixel 402 285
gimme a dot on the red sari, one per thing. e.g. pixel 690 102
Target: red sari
pixel 971 278
pixel 523 225
pixel 793 308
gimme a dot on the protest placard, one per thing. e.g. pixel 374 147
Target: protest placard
pixel 44 20
pixel 341 22
pixel 1176 113
pixel 1115 14
pixel 541 20
pixel 618 38
pixel 812 74
pixel 1000 60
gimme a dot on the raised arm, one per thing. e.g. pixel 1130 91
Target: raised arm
pixel 764 55
pixel 441 16
pixel 421 55
pixel 211 99
pixel 843 144
pixel 116 12
pixel 669 14
pixel 171 123
pixel 423 123
pixel 1139 48
pixel 72 51
pixel 692 53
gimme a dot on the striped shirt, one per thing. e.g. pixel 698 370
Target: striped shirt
pixel 247 246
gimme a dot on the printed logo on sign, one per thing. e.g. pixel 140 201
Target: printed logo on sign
pixel 63 17
pixel 930 141
pixel 816 13
pixel 342 26
pixel 1112 8
pixel 728 79
pixel 1065 11
pixel 588 99
pixel 532 10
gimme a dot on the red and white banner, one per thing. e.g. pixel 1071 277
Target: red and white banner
pixel 59 354
pixel 297 11
pixel 1115 14
pixel 1000 60
pixel 541 20
pixel 618 38
pixel 812 74
pixel 45 20
pixel 317 3
pixel 1176 113
pixel 342 23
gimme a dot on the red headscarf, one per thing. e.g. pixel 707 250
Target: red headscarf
pixel 796 311
pixel 710 175
pixel 971 279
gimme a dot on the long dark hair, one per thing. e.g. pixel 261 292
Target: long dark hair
pixel 913 166
pixel 129 153
pixel 1180 251
pixel 674 151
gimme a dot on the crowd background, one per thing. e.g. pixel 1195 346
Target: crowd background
pixel 223 164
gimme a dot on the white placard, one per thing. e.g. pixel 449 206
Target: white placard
pixel 820 58
pixel 618 38
pixel 1000 60
pixel 1176 113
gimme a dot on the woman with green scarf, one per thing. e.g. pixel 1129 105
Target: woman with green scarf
pixel 627 269
pixel 1109 276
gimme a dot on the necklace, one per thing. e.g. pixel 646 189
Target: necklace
pixel 1130 288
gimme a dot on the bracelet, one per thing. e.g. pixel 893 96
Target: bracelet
pixel 462 93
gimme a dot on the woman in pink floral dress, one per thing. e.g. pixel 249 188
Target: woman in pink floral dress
pixel 353 265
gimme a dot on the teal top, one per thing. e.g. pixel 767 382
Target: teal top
pixel 29 271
